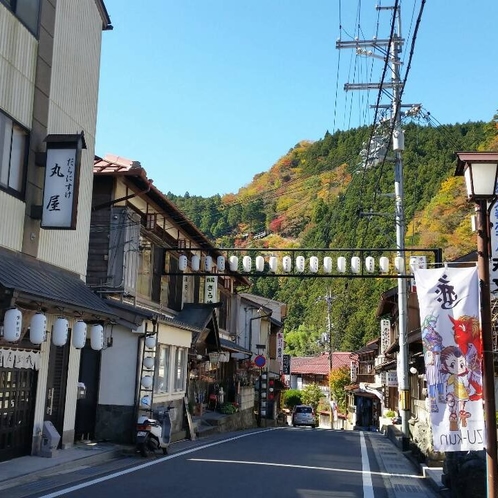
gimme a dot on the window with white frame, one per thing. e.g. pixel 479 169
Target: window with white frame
pixel 180 368
pixel 161 384
pixel 13 143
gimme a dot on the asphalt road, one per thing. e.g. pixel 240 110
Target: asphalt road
pixel 283 463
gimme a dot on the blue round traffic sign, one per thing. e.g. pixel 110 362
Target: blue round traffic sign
pixel 260 361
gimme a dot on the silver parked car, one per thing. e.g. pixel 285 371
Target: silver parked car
pixel 303 415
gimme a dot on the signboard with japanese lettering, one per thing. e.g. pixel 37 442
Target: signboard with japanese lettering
pixel 392 378
pixel 211 289
pixel 493 260
pixel 385 335
pixel 280 348
pixel 60 193
pixel 286 364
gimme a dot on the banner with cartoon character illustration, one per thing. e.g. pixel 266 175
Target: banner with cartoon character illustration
pixel 451 338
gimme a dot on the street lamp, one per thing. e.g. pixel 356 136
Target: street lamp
pixel 480 170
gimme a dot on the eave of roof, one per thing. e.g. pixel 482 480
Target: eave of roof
pixel 35 280
pixel 388 301
pixel 106 20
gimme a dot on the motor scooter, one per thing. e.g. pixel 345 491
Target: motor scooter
pixel 153 433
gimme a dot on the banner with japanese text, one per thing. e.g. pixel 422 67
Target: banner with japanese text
pixel 493 260
pixel 451 339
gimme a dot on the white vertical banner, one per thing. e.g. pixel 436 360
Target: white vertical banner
pixel 416 262
pixel 451 338
pixel 493 259
pixel 280 349
pixel 211 289
pixel 385 335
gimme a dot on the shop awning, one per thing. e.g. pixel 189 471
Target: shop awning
pixel 201 316
pixel 128 315
pixel 32 280
pixel 231 346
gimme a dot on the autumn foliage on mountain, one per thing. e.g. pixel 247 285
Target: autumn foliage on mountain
pixel 323 195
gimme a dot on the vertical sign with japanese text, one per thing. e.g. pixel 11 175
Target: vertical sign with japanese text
pixel 385 335
pixel 286 364
pixel 493 257
pixel 211 289
pixel 280 349
pixel 60 193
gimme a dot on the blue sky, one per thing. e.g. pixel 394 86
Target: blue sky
pixel 208 93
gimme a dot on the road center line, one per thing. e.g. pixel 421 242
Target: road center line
pixel 306 467
pixel 365 465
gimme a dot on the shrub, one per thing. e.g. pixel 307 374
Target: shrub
pixel 228 408
pixel 291 398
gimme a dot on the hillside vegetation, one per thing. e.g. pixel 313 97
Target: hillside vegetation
pixel 319 195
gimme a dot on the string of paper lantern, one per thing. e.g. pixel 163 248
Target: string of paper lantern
pixel 299 264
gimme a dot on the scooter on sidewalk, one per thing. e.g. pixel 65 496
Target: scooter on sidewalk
pixel 153 433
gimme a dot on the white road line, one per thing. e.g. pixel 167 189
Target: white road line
pixel 306 467
pixel 148 464
pixel 365 466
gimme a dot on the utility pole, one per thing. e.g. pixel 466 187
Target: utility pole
pixel 328 299
pixel 392 48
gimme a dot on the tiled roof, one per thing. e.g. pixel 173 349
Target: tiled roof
pixel 38 280
pixel 319 365
pixel 116 164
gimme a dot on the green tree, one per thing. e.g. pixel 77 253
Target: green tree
pixel 291 398
pixel 311 395
pixel 338 380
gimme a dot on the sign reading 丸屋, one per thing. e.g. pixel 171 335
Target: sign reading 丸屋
pixel 60 193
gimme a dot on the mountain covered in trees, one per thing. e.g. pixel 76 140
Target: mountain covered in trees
pixel 323 194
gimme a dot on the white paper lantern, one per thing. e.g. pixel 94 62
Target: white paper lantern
pixel 327 264
pixel 341 264
pixel 146 381
pixel 97 337
pixel 273 264
pixel 247 263
pixel 149 362
pixel 287 264
pixel 370 264
pixel 196 262
pixel 79 334
pixel 182 262
pixel 260 263
pixel 234 263
pixel 399 264
pixel 220 263
pixel 12 325
pixel 38 328
pixel 208 263
pixel 300 263
pixel 355 264
pixel 313 264
pixel 60 331
pixel 384 264
pixel 150 342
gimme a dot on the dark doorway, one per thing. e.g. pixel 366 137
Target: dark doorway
pixel 86 408
pixel 17 403
pixel 364 412
pixel 56 386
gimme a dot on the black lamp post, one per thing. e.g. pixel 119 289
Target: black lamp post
pixel 480 170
